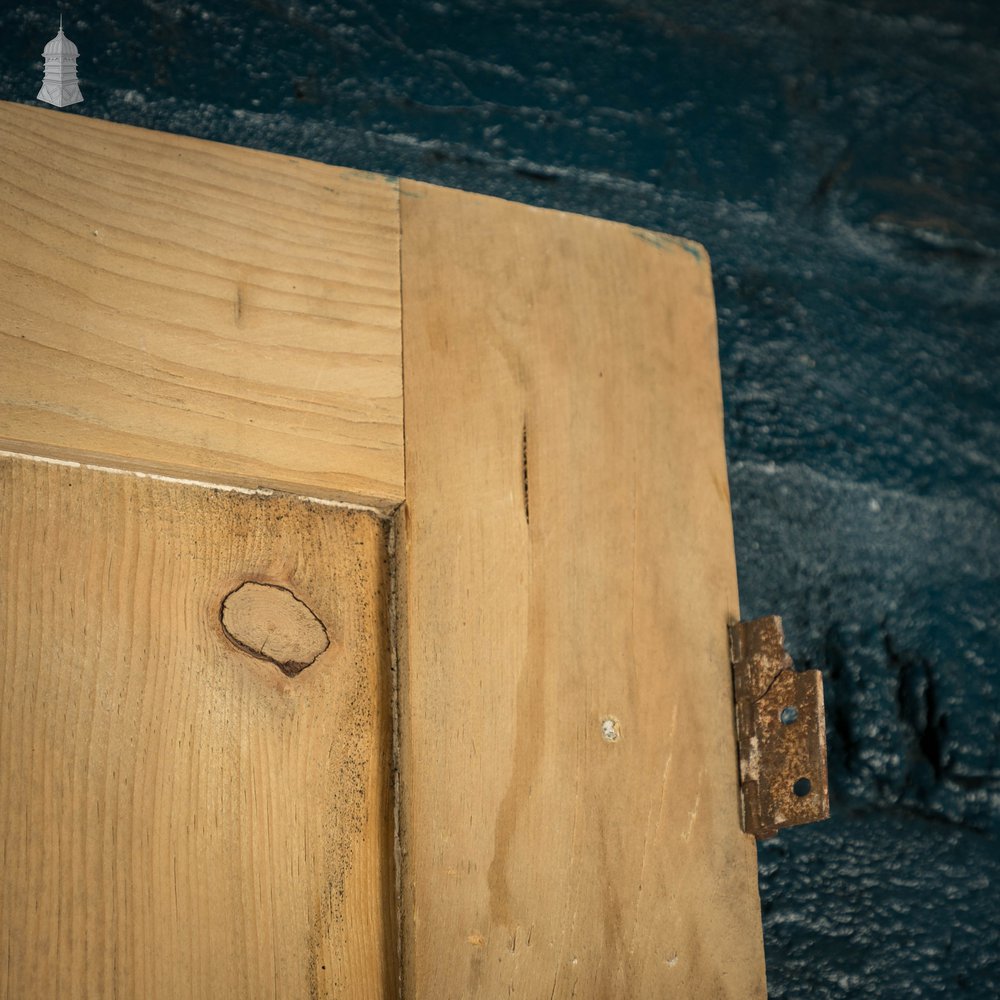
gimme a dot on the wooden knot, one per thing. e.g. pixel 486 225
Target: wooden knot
pixel 271 623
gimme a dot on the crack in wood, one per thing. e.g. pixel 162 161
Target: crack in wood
pixel 524 469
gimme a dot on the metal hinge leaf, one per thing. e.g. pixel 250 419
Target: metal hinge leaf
pixel 781 731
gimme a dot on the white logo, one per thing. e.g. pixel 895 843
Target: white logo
pixel 60 86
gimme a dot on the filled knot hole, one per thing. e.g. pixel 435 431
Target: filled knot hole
pixel 271 623
pixel 610 731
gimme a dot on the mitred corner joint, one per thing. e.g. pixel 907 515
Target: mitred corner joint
pixel 781 731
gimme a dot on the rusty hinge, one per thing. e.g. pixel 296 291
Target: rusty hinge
pixel 781 731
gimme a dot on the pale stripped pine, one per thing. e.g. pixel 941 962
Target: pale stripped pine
pixel 179 818
pixel 569 802
pixel 180 305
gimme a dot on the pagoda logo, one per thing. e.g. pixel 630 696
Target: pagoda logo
pixel 60 85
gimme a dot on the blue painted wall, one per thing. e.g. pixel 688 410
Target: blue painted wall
pixel 840 162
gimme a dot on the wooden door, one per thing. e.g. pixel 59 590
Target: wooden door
pixel 367 567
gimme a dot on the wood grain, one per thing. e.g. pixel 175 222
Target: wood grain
pixel 570 814
pixel 187 306
pixel 179 818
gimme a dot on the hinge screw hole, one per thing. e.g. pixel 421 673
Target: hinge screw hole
pixel 789 714
pixel 802 787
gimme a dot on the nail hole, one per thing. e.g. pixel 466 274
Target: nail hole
pixel 789 714
pixel 802 787
pixel 609 730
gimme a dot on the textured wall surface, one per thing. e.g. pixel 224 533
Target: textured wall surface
pixel 840 162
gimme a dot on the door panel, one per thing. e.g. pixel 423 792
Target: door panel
pixel 179 816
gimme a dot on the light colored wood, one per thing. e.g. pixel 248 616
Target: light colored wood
pixel 179 818
pixel 570 815
pixel 183 305
pixel 196 780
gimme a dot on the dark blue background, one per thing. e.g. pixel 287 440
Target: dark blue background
pixel 839 160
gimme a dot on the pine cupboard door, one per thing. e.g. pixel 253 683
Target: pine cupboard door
pixel 366 564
